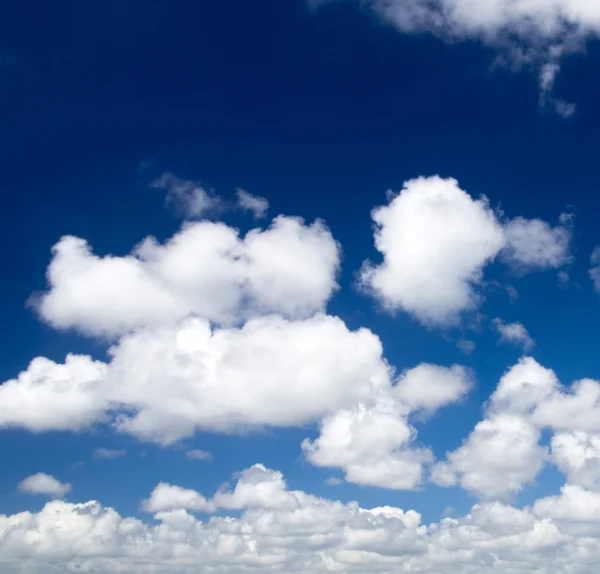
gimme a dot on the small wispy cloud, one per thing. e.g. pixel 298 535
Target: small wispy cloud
pixel 190 198
pixel 197 454
pixel 514 333
pixel 257 205
pixel 107 453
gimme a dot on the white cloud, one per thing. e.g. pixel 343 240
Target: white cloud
pixel 533 243
pixel 436 240
pixel 334 481
pixel 374 443
pixel 290 531
pixel 169 497
pixel 503 454
pixel 577 455
pixel 514 333
pixel 373 446
pixel 430 387
pixel 48 396
pixel 206 269
pixel 41 483
pixel 500 456
pixel 190 198
pixel 257 205
pixel 163 384
pixel 534 33
pixel 107 453
pixel 197 454
pixel 573 504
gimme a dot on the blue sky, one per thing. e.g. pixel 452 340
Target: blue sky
pixel 373 261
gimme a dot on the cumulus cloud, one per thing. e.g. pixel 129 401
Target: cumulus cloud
pixel 533 243
pixel 255 204
pixel 514 333
pixel 374 444
pixel 285 531
pixel 436 241
pixel 532 33
pixel 197 454
pixel 50 396
pixel 190 198
pixel 163 384
pixel 206 269
pixel 45 484
pixel 577 455
pixel 504 451
pixel 430 387
pixel 107 453
pixel 170 497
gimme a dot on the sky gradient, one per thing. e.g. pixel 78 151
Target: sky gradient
pixel 299 287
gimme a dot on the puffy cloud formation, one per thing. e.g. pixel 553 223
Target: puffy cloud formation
pixel 375 444
pixel 164 383
pixel 533 243
pixel 284 530
pixel 504 452
pixel 206 269
pixel 536 33
pixel 41 483
pixel 49 396
pixel 436 240
pixel 514 333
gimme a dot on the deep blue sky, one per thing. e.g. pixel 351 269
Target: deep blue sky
pixel 321 114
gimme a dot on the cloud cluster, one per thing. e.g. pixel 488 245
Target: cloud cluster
pixel 206 269
pixel 164 383
pixel 283 530
pixel 436 241
pixel 505 450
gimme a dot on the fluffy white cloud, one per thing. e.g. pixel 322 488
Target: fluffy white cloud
pixel 500 456
pixel 429 387
pixel 372 446
pixel 374 443
pixel 436 240
pixel 41 483
pixel 190 198
pixel 257 205
pixel 533 243
pixel 286 531
pixel 170 497
pixel 504 453
pixel 49 396
pixel 514 333
pixel 577 455
pixel 162 384
pixel 206 269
